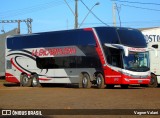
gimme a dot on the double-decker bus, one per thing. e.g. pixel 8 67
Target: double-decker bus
pixel 100 56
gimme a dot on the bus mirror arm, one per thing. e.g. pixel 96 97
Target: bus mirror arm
pixel 126 52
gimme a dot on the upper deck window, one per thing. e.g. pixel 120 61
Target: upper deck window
pixel 52 39
pixel 131 37
pixel 124 36
pixel 108 35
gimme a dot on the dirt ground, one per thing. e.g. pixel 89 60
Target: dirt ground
pixel 59 97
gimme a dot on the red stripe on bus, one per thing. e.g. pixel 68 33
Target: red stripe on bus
pixel 18 67
pixel 87 29
pixel 11 78
pixel 44 79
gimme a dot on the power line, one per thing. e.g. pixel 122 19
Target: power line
pixel 94 14
pixel 31 9
pixel 144 8
pixel 136 2
pixel 127 22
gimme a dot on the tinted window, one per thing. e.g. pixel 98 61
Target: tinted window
pixel 131 37
pixel 68 62
pixel 56 62
pixel 108 35
pixel 88 62
pixel 52 39
pixel 113 56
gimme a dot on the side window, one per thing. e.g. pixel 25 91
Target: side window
pixel 68 62
pixel 113 56
pixel 88 62
pixel 108 36
pixel 56 62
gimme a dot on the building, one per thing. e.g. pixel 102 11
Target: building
pixel 152 34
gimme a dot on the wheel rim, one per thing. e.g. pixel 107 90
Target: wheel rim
pixel 99 81
pixel 84 81
pixel 34 81
pixel 25 79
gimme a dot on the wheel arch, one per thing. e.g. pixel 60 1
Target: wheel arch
pixel 85 72
pixel 97 72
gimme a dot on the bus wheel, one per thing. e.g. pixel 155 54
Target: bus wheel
pixel 100 81
pixel 35 80
pixel 25 81
pixel 153 81
pixel 85 81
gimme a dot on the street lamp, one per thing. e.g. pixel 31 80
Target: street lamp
pixel 88 13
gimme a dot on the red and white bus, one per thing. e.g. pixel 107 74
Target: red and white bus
pixel 100 56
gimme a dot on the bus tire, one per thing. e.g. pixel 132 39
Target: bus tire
pixel 100 81
pixel 85 81
pixel 25 81
pixel 153 82
pixel 35 80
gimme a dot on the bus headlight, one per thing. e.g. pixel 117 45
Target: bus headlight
pixel 126 79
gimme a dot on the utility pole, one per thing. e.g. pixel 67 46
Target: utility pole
pixel 27 21
pixel 19 30
pixel 76 14
pixel 114 14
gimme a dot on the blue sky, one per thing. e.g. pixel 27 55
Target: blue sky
pixel 51 15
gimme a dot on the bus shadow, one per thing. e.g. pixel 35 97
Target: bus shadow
pixel 119 87
pixel 74 86
pixel 11 84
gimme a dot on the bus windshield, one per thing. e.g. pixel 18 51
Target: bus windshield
pixel 136 61
pixel 131 37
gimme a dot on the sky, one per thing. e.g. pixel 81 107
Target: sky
pixel 52 15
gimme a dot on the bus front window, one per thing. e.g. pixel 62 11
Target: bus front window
pixel 136 61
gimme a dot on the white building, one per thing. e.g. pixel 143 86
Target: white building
pixel 152 34
pixel 153 42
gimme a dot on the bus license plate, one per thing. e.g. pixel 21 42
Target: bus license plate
pixel 139 81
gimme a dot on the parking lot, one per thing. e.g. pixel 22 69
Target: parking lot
pixel 59 97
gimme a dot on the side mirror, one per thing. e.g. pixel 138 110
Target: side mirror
pixel 155 46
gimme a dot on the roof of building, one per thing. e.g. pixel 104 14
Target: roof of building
pixel 147 28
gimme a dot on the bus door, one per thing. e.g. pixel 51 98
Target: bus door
pixel 113 70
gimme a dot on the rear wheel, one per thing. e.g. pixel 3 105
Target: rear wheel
pixel 153 81
pixel 85 81
pixel 100 81
pixel 25 81
pixel 35 80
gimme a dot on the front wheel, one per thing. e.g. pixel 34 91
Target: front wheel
pixel 153 81
pixel 100 81
pixel 85 81
pixel 35 80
